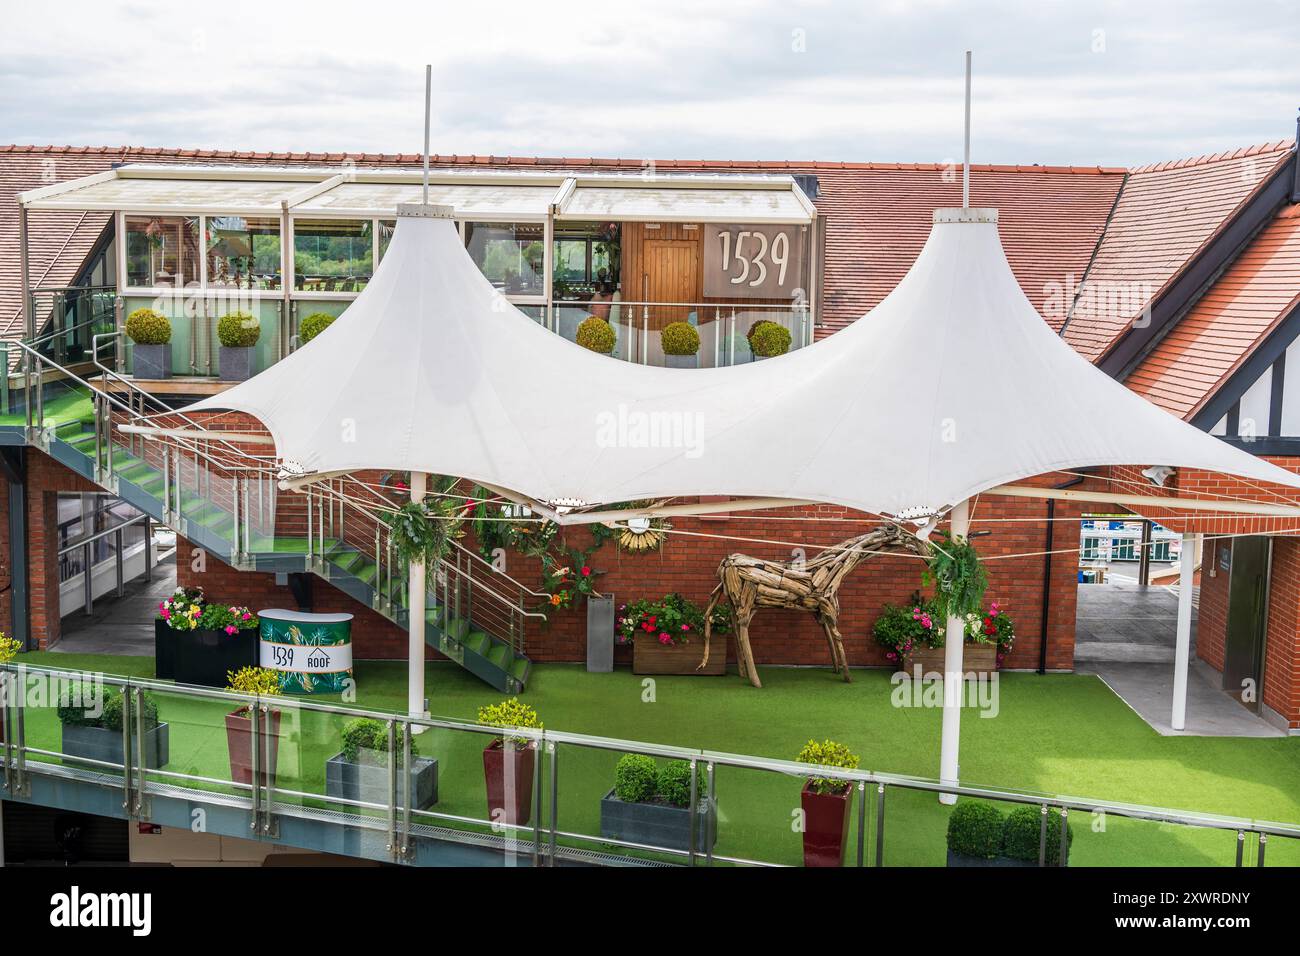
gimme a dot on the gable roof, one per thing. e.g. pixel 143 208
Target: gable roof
pixel 1165 215
pixel 1256 292
pixel 877 214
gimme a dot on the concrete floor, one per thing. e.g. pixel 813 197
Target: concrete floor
pixel 120 625
pixel 1125 635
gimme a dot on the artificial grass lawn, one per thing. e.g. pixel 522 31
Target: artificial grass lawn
pixel 1064 734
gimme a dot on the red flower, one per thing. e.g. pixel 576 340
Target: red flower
pixel 586 571
pixel 648 627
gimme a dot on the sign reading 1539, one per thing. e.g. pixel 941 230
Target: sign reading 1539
pixel 753 261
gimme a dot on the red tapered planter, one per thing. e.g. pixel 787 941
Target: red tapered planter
pixel 826 825
pixel 517 766
pixel 239 742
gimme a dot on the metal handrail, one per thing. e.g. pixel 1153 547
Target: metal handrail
pixel 548 743
pixel 82 542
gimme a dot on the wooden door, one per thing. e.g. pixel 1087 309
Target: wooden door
pixel 670 273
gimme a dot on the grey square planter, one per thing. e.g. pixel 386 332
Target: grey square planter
pixel 1000 862
pixel 682 361
pixel 101 743
pixel 368 781
pixel 600 634
pixel 657 824
pixel 152 361
pixel 236 363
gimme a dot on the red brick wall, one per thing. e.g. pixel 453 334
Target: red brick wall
pixel 1282 641
pixel 1212 614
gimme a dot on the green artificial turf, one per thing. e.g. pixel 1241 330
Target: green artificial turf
pixel 1053 734
pixel 69 405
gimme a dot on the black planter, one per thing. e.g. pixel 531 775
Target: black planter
pixel 204 657
pixel 164 650
pixel 101 743
pixel 368 781
pixel 1006 862
pixel 657 824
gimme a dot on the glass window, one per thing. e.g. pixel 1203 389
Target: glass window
pixel 243 252
pixel 162 251
pixel 386 229
pixel 332 255
pixel 511 255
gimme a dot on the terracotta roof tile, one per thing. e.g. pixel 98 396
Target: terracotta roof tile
pixel 1251 297
pixel 1165 214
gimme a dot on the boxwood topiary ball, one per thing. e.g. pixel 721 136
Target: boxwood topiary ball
pixel 597 335
pixel 770 339
pixel 635 777
pixel 1021 832
pixel 314 325
pixel 675 783
pixel 975 829
pixel 680 338
pixel 147 327
pixel 238 330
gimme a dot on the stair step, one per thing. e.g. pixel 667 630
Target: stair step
pixel 499 656
pixel 478 642
pixel 520 669
pixel 456 629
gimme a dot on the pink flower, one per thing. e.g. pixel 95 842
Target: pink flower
pixel 665 639
pixel 686 627
pixel 166 614
pixel 231 629
pixel 247 615
pixel 891 656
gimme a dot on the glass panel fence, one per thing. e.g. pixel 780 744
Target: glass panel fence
pixel 370 790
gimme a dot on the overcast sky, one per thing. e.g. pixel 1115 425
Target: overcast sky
pixel 1075 82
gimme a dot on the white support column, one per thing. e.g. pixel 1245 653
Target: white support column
pixel 415 626
pixel 953 683
pixel 1183 644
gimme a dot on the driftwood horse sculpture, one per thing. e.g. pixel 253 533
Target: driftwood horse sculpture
pixel 811 585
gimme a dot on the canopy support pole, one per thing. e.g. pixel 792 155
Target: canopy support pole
pixel 953 680
pixel 965 165
pixel 415 622
pixel 1183 644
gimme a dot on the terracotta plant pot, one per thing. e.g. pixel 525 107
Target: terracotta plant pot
pixel 516 766
pixel 826 825
pixel 239 743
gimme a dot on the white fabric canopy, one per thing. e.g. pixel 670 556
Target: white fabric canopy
pixel 952 385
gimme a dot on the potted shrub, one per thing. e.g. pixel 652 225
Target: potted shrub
pixel 152 351
pixel 9 649
pixel 651 805
pixel 509 762
pixel 258 682
pixel 681 345
pixel 664 634
pixel 173 616
pixel 238 333
pixel 975 835
pixel 360 770
pixel 95 732
pixel 596 335
pixel 768 339
pixel 314 325
pixel 1021 834
pixel 210 640
pixel 826 804
pixel 993 633
pixel 908 633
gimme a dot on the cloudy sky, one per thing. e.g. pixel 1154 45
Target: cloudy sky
pixel 1074 82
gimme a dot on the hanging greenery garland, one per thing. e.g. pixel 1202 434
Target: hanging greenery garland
pixel 423 531
pixel 958 576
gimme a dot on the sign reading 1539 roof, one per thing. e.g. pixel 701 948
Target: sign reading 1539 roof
pixel 753 262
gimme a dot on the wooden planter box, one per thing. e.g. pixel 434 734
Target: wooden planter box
pixel 101 743
pixel 657 824
pixel 368 781
pixel 826 825
pixel 505 805
pixel 204 657
pixel 239 744
pixel 651 657
pixel 975 659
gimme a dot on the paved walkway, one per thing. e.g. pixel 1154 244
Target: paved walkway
pixel 120 625
pixel 1125 634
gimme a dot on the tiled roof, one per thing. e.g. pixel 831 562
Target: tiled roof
pixel 878 214
pixel 1165 214
pixel 1251 297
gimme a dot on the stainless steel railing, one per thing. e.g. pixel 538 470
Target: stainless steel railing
pixel 27 748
